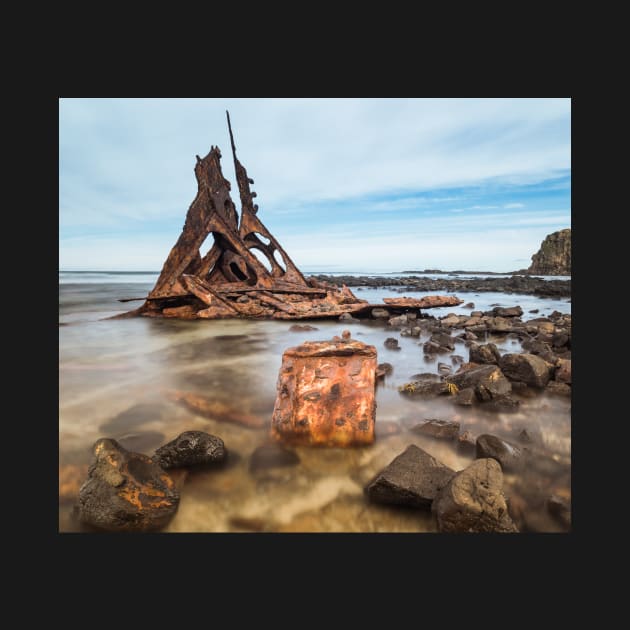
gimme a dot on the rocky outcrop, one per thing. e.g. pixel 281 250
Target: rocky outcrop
pixel 526 368
pixel 413 478
pixel 554 256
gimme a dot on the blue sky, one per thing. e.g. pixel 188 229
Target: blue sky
pixel 343 184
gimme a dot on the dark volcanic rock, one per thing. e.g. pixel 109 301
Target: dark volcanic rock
pixel 484 353
pixel 441 429
pixel 473 501
pixel 487 380
pixel 126 491
pixel 413 478
pixel 507 454
pixel 512 311
pixel 272 456
pixel 527 368
pixel 465 397
pixel 391 343
pixel 191 448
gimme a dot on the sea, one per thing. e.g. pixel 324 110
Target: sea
pixel 116 376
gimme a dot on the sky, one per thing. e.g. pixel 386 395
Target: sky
pixel 364 185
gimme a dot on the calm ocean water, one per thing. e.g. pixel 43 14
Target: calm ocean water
pixel 115 375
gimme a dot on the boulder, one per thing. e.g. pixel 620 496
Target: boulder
pixel 383 370
pixel 191 448
pixel 450 320
pixel 512 311
pixel 527 368
pixel 126 491
pixel 466 443
pixel 380 313
pixel 397 322
pixel 303 327
pixel 444 340
pixel 413 478
pixel 272 456
pixel 444 369
pixel 484 353
pixel 430 347
pixel 424 387
pixel 505 403
pixel 507 454
pixel 465 397
pixel 473 501
pixel 347 317
pixel 558 389
pixel 469 305
pixel 487 381
pixel 391 343
pixel 563 371
pixel 440 429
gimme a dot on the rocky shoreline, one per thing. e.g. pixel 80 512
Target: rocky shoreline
pixel 528 285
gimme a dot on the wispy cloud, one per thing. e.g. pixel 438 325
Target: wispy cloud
pixel 321 166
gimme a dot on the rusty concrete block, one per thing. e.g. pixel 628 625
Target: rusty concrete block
pixel 326 394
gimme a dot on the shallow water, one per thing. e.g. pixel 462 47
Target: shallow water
pixel 115 376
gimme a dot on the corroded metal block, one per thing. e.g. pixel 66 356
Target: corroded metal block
pixel 326 394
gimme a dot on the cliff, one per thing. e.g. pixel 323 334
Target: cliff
pixel 554 256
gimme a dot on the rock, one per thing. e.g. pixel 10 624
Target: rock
pixel 473 501
pixel 272 456
pixel 424 387
pixel 304 327
pixel 465 397
pixel 513 311
pixel 469 305
pixel 391 343
pixel 133 417
pixel 444 369
pixel 413 478
pixel 563 371
pixel 397 322
pixel 440 429
pixel 326 394
pixel 388 368
pixel 499 324
pixel 450 320
pixel 525 437
pixel 430 347
pixel 191 448
pixel 527 368
pixel 444 340
pixel 470 336
pixel 126 491
pixel 484 353
pixel 487 381
pixel 347 317
pixel 560 339
pixel 560 508
pixel 554 256
pixel 505 403
pixel 558 389
pixel 457 359
pixel 415 331
pixel 507 454
pixel 534 310
pixel 466 443
pixel 385 428
pixel 477 314
pixel 380 313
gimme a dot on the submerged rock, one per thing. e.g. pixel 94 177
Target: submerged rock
pixel 191 448
pixel 413 478
pixel 391 343
pixel 440 429
pixel 272 456
pixel 507 454
pixel 385 428
pixel 304 327
pixel 473 501
pixel 487 381
pixel 527 368
pixel 466 443
pixel 126 491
